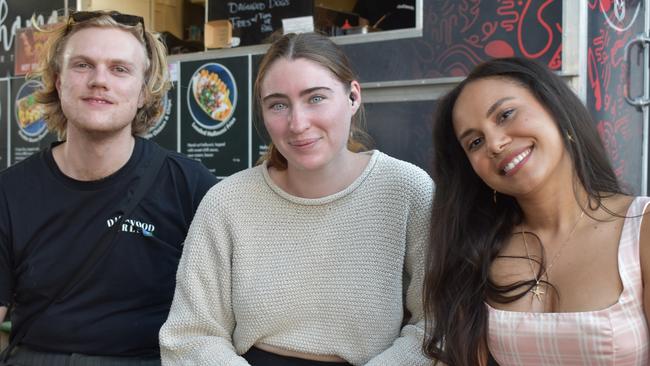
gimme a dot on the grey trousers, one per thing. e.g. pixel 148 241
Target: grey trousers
pixel 22 356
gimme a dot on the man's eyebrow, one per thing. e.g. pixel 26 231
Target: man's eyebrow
pixel 112 61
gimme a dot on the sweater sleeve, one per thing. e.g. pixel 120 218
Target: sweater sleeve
pixel 201 321
pixel 406 350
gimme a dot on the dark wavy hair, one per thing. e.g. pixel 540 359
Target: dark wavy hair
pixel 469 229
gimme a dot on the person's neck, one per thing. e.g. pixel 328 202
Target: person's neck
pixel 88 158
pixel 324 182
pixel 554 211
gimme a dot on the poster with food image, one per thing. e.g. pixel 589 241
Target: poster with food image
pixel 28 130
pixel 212 98
pixel 165 130
pixel 215 121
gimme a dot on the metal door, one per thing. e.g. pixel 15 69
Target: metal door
pixel 637 91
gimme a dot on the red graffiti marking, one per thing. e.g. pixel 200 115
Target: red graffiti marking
pixel 464 8
pixel 606 5
pixel 447 26
pixel 622 127
pixel 457 69
pixel 507 10
pixel 618 45
pixel 488 29
pixel 499 48
pixel 556 60
pixel 456 55
pixel 606 77
pixel 609 106
pixel 619 168
pixel 542 22
pixel 461 51
pixel 594 82
pixel 608 135
pixel 600 43
pixel 473 40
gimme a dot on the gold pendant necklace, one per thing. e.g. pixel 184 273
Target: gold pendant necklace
pixel 537 290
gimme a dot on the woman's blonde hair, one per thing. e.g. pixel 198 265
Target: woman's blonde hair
pixel 156 75
pixel 321 50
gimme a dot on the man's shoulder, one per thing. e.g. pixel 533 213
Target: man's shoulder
pixel 27 167
pixel 177 159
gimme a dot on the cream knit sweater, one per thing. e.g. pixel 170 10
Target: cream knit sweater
pixel 330 276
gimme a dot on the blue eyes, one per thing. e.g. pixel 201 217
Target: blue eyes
pixel 117 69
pixel 279 107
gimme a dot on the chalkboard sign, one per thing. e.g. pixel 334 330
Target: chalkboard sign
pixel 255 20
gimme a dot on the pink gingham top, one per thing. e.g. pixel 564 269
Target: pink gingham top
pixel 614 336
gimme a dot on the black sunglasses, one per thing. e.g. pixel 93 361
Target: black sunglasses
pixel 124 19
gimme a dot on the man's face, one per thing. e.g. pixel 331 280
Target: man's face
pixel 101 81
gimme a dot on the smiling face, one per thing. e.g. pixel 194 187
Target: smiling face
pixel 101 81
pixel 510 139
pixel 307 112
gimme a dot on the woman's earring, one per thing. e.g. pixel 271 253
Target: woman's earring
pixel 494 196
pixel 568 136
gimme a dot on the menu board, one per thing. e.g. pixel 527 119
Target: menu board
pixel 214 123
pixel 28 130
pixel 255 20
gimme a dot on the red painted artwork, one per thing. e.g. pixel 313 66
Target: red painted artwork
pixel 612 23
pixel 468 32
pixel 459 34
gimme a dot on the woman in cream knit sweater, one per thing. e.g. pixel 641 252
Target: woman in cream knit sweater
pixel 314 257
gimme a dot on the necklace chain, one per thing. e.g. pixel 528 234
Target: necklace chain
pixel 536 290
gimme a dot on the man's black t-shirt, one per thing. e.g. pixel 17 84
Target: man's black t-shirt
pixel 49 224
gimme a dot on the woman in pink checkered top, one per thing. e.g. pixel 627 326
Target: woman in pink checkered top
pixel 538 257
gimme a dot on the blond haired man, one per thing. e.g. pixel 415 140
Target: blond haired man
pixel 89 244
